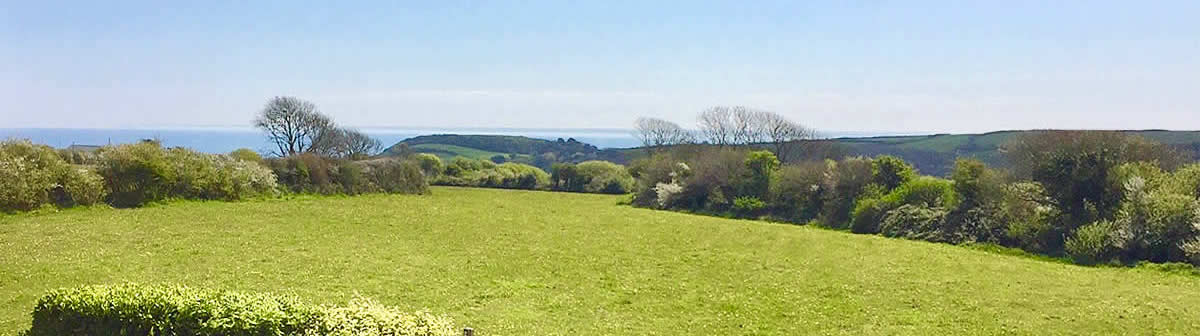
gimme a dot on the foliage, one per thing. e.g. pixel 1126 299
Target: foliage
pixel 748 206
pixel 430 164
pixel 603 177
pixel 914 221
pixel 246 154
pixel 483 173
pixel 35 175
pixel 1093 243
pixel 848 179
pixel 395 176
pixel 760 167
pixel 891 172
pixel 796 191
pixel 131 309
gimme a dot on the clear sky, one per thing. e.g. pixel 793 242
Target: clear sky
pixel 905 66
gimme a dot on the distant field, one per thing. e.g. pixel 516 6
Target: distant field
pixel 449 152
pixel 538 263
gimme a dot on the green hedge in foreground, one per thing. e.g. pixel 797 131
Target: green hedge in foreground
pixel 132 309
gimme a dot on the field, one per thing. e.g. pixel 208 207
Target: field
pixel 538 263
pixel 448 152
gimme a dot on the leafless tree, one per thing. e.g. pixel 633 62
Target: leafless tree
pixel 717 126
pixel 293 125
pixel 785 136
pixel 656 133
pixel 748 125
pixel 358 145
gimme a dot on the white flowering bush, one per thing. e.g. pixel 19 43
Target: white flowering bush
pixel 35 175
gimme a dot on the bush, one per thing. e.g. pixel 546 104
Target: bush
pixel 891 172
pixel 748 206
pixel 760 167
pixel 35 175
pixel 80 186
pixel 1155 225
pixel 846 182
pixel 395 176
pixel 429 164
pixel 604 177
pixel 145 172
pixel 867 215
pixel 652 171
pixel 796 193
pixel 925 190
pixel 509 175
pixel 914 221
pixel 177 310
pixel 1030 219
pixel 307 173
pixel 246 154
pixel 1093 243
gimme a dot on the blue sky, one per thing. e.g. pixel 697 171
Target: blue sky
pixel 905 66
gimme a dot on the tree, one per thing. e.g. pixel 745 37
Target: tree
pixel 786 137
pixel 716 124
pixel 294 125
pixel 748 125
pixel 346 143
pixel 656 133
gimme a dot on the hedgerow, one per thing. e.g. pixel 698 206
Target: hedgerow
pixel 131 309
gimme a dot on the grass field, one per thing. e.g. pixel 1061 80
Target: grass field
pixel 449 152
pixel 538 263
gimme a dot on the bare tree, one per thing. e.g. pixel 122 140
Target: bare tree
pixel 293 125
pixel 748 125
pixel 785 136
pixel 717 126
pixel 358 145
pixel 656 133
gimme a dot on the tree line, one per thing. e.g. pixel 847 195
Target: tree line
pixel 1091 196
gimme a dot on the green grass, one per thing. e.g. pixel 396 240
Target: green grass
pixel 448 152
pixel 536 263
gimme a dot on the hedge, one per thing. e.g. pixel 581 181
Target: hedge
pixel 131 309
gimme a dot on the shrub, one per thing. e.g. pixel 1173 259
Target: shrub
pixel 1093 243
pixel 145 172
pixel 891 172
pixel 748 206
pixel 80 186
pixel 914 221
pixel 246 154
pixel 604 177
pixel 429 164
pixel 509 175
pixel 925 190
pixel 35 175
pixel 1030 217
pixel 177 310
pixel 27 173
pixel 136 173
pixel 867 215
pixel 307 173
pixel 396 176
pixel 716 177
pixel 796 192
pixel 760 166
pixel 363 317
pixel 848 179
pixel 650 172
pixel 1155 225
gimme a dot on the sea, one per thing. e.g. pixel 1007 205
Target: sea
pixel 226 139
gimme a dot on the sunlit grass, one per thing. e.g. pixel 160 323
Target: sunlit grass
pixel 533 263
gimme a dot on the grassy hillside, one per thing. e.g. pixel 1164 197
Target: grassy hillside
pixel 447 152
pixel 536 263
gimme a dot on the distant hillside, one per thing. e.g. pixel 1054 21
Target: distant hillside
pixel 935 154
pixel 538 152
pixel 931 154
